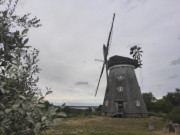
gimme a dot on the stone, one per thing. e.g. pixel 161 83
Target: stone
pixel 169 128
pixel 146 124
pixel 166 129
pixel 154 119
pixel 170 122
pixel 177 129
pixel 151 127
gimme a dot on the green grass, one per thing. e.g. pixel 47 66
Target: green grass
pixel 106 126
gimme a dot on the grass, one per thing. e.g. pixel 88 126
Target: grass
pixel 106 126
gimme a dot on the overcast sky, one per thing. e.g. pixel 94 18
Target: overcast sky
pixel 73 33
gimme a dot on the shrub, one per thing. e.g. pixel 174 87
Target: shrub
pixel 162 106
pixel 174 115
pixel 23 110
pixel 157 114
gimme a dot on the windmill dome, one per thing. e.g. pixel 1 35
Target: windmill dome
pixel 118 60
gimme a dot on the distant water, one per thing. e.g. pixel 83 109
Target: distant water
pixel 78 104
pixel 82 107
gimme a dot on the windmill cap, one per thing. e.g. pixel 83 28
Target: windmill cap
pixel 117 60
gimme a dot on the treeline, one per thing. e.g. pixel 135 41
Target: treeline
pixel 168 106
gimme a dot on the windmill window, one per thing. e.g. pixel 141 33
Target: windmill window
pixel 120 88
pixel 138 104
pixel 106 103
pixel 120 77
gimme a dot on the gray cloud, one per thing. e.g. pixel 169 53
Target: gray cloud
pixel 173 77
pixel 81 83
pixel 159 85
pixel 176 62
pixel 73 34
pixel 128 2
pixel 131 8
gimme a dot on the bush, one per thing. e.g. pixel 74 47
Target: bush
pixel 162 105
pixel 157 114
pixel 23 110
pixel 25 115
pixel 174 115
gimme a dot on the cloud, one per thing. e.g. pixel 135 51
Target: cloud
pixel 173 77
pixel 22 3
pixel 131 8
pixel 159 85
pixel 81 83
pixel 73 33
pixel 128 2
pixel 176 62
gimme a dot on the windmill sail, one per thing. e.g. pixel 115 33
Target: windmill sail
pixel 110 35
pixel 100 78
pixel 105 52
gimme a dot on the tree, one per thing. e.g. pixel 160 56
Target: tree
pixel 149 100
pixel 99 108
pixel 136 52
pixel 173 97
pixel 174 115
pixel 162 105
pixel 21 102
pixel 67 110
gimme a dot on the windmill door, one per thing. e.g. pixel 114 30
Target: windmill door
pixel 120 106
pixel 119 112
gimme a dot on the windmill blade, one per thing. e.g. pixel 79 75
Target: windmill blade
pixel 105 61
pixel 98 60
pixel 100 78
pixel 106 49
pixel 105 52
pixel 110 34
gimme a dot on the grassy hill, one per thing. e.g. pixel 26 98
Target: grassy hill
pixel 97 125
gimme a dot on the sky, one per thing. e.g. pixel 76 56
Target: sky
pixel 73 33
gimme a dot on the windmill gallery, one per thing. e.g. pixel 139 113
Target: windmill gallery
pixel 123 95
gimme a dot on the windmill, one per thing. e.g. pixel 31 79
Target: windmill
pixel 105 53
pixel 123 95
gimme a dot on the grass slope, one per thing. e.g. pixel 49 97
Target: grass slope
pixel 106 126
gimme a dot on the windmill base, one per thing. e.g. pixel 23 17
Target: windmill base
pixel 126 115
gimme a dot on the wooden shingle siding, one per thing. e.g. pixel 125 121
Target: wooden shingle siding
pixel 121 75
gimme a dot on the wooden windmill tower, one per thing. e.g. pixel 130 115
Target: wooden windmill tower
pixel 123 95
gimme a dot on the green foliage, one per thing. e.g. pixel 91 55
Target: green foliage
pixel 174 115
pixel 99 108
pixel 157 114
pixel 173 97
pixel 163 106
pixel 149 100
pixel 158 106
pixel 23 109
pixel 25 115
pixel 73 112
pixel 12 39
pixel 136 52
pixel 67 110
